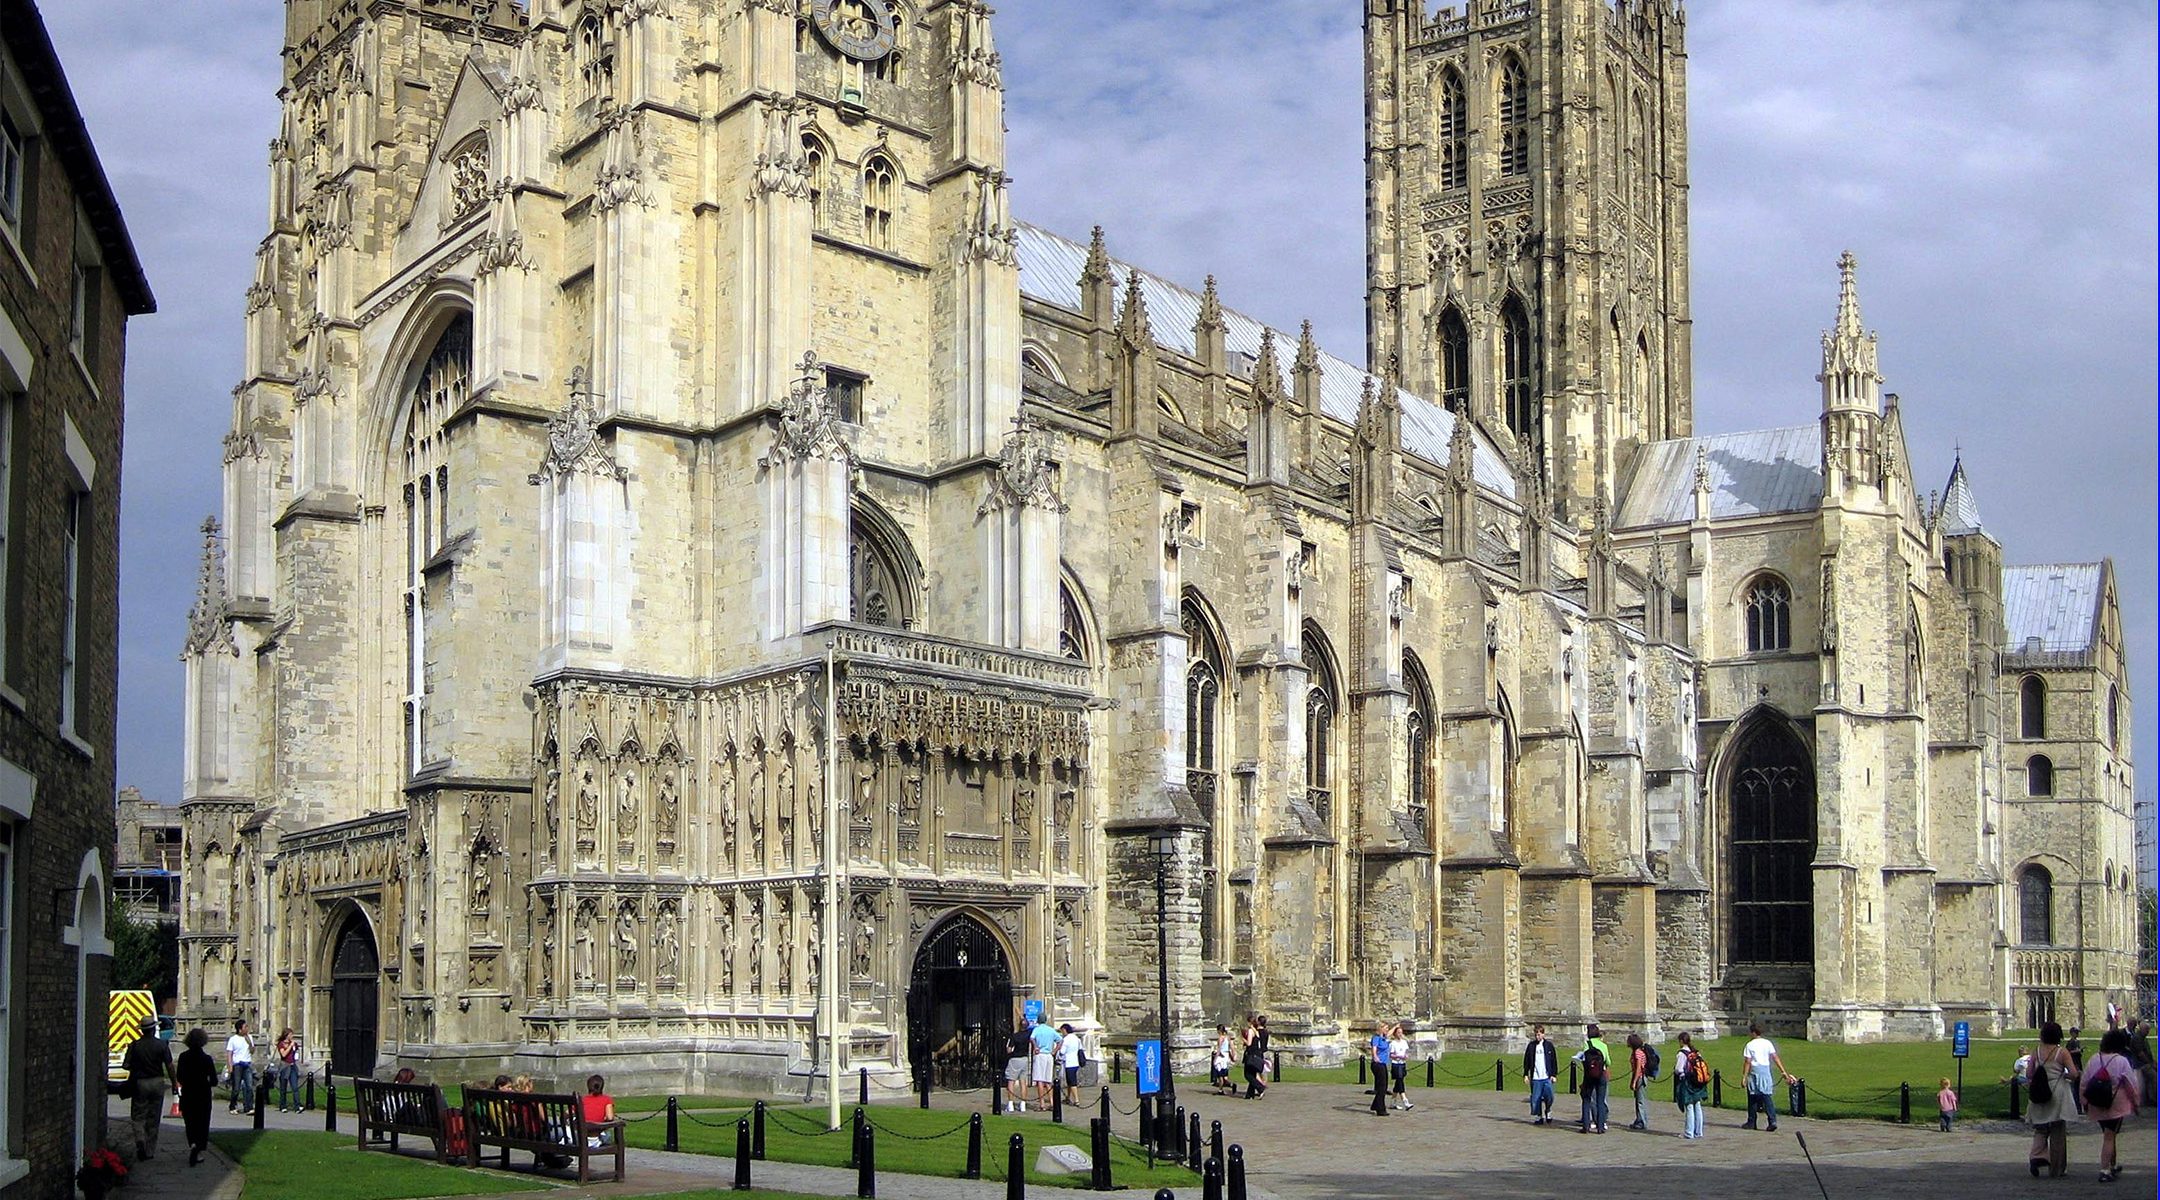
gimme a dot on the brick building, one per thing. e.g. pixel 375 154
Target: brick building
pixel 69 280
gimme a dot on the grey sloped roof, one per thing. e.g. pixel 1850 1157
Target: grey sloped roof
pixel 2058 603
pixel 1751 474
pixel 1960 513
pixel 1050 269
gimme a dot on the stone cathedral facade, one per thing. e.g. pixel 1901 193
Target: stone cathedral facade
pixel 661 454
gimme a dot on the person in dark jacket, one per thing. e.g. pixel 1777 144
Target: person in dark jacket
pixel 1540 1066
pixel 197 1074
pixel 149 1067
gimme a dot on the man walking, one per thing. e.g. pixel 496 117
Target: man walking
pixel 1540 1066
pixel 1596 1062
pixel 1379 1054
pixel 240 1053
pixel 1046 1044
pixel 1760 1057
pixel 1019 1050
pixel 149 1067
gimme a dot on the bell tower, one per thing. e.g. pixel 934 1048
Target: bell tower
pixel 1526 216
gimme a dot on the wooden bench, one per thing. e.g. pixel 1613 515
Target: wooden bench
pixel 540 1124
pixel 400 1108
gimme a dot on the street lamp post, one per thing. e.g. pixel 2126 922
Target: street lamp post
pixel 1164 843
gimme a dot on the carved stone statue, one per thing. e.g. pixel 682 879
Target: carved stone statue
pixel 814 799
pixel 626 808
pixel 784 806
pixel 551 809
pixel 1063 956
pixel 862 945
pixel 783 967
pixel 588 807
pixel 483 881
pixel 756 801
pixel 727 811
pixel 756 922
pixel 666 810
pixel 911 790
pixel 626 940
pixel 585 963
pixel 724 942
pixel 667 944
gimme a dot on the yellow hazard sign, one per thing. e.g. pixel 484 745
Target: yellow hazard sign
pixel 124 1024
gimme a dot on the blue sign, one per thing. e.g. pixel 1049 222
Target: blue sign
pixel 1148 1060
pixel 1034 1009
pixel 1961 1040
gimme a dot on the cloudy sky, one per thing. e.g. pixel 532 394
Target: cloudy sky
pixel 1991 164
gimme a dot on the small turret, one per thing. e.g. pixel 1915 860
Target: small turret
pixel 1851 390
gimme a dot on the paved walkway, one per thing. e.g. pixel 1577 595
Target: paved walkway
pixel 1320 1142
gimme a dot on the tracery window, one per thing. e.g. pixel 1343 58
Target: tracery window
pixel 2039 775
pixel 1418 730
pixel 1773 849
pixel 1514 100
pixel 2032 707
pixel 1768 611
pixel 594 60
pixel 877 199
pixel 814 159
pixel 1072 632
pixel 1203 778
pixel 438 391
pixel 1322 702
pixel 2114 714
pixel 1454 122
pixel 1518 387
pixel 1454 357
pixel 2036 906
pixel 880 591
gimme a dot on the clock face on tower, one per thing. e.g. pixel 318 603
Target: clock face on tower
pixel 860 29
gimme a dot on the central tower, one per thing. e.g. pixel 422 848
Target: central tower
pixel 1526 223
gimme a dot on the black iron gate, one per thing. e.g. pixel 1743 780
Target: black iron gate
pixel 960 1006
pixel 354 971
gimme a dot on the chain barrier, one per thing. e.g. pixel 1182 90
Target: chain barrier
pixel 918 1137
pixel 727 1123
pixel 1478 1074
pixel 1125 1112
pixel 780 1119
pixel 1815 1093
pixel 623 1116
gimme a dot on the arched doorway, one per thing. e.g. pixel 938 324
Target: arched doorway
pixel 354 1009
pixel 959 1006
pixel 1769 867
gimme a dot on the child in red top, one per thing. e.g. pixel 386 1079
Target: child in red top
pixel 599 1109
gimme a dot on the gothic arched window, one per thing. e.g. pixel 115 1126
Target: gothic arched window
pixel 1773 846
pixel 2039 775
pixel 1204 679
pixel 2032 707
pixel 1072 630
pixel 1453 112
pixel 1767 607
pixel 1514 100
pixel 2036 906
pixel 594 61
pixel 2114 714
pixel 438 391
pixel 877 200
pixel 1641 155
pixel 1323 699
pixel 1454 347
pixel 880 574
pixel 1518 387
pixel 814 158
pixel 1418 729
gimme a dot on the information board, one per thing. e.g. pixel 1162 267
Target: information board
pixel 1148 1058
pixel 1961 1039
pixel 1034 1009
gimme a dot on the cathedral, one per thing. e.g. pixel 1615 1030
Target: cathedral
pixel 704 591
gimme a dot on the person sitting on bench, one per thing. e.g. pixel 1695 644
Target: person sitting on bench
pixel 599 1110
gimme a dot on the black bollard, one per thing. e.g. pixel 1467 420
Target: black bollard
pixel 329 1119
pixel 1361 1072
pixel 1904 1104
pixel 1105 1105
pixel 997 1099
pixel 1016 1168
pixel 1165 1194
pixel 1571 1087
pixel 757 1130
pixel 1215 1140
pixel 866 1168
pixel 1717 1087
pixel 742 1155
pixel 1499 1076
pixel 1193 1143
pixel 311 1091
pixel 974 1159
pixel 855 1139
pixel 1211 1181
pixel 1117 1067
pixel 1278 1068
pixel 1799 1097
pixel 1098 1154
pixel 261 1091
pixel 1177 1132
pixel 2016 1094
pixel 674 1143
pixel 1430 1064
pixel 862 1085
pixel 1234 1180
pixel 1147 1121
pixel 924 1088
pixel 1057 1101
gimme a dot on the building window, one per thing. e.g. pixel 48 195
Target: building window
pixel 595 62
pixel 2039 776
pixel 1514 117
pixel 2036 906
pixel 1417 745
pixel 814 159
pixel 1072 631
pixel 2032 707
pixel 1454 360
pixel 13 155
pixel 1773 848
pixel 844 394
pixel 1454 114
pixel 1768 608
pixel 1321 705
pixel 1518 388
pixel 74 544
pixel 879 585
pixel 2114 714
pixel 877 199
pixel 1203 717
pixel 438 393
pixel 83 313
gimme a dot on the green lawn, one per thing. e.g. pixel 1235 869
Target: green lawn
pixel 286 1165
pixel 912 1140
pixel 1842 1080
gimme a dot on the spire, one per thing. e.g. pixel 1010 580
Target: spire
pixel 1097 267
pixel 1210 308
pixel 1132 318
pixel 1849 376
pixel 1308 353
pixel 206 627
pixel 1959 512
pixel 1848 305
pixel 1208 343
pixel 1267 369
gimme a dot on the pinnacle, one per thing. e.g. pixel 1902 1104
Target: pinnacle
pixel 1848 309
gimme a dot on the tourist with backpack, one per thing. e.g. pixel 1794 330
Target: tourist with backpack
pixel 1596 1061
pixel 1760 1057
pixel 2048 1103
pixel 2111 1088
pixel 1642 1068
pixel 1691 1083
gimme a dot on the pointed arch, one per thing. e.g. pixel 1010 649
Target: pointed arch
pixel 1034 357
pixel 1323 707
pixel 1766 785
pixel 1512 101
pixel 880 199
pixel 1420 733
pixel 884 575
pixel 1207 682
pixel 1078 634
pixel 1518 383
pixel 1766 613
pixel 817 158
pixel 1452 343
pixel 1451 116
